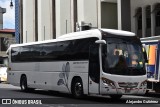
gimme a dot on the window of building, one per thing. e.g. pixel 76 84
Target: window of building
pixel 75 14
pixel 140 22
pixel 56 51
pixel 148 17
pixel 157 14
pixel 36 20
pixel 3 46
pixel 54 18
pixel 138 17
pixel 158 19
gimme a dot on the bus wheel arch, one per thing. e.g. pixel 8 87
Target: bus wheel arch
pixel 23 82
pixel 77 87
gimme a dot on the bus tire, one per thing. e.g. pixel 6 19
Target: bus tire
pixel 23 83
pixel 77 88
pixel 116 97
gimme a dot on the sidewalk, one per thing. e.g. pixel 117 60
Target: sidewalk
pixel 5 85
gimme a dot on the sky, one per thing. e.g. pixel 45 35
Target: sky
pixel 9 16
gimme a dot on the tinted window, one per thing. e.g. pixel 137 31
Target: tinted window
pixel 64 50
pixel 26 54
pixel 122 57
pixel 36 52
pixel 48 52
pixel 15 54
pixel 81 48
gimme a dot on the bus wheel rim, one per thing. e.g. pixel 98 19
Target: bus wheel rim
pixel 78 88
pixel 23 85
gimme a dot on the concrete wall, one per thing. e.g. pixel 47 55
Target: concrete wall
pixel 45 23
pixel 63 17
pixel 88 11
pixel 142 3
pixel 28 21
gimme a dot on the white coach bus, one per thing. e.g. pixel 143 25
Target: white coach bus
pixel 93 62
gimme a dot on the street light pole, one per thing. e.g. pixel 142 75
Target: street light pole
pixel 11 4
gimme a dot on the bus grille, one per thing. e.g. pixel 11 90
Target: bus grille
pixel 128 84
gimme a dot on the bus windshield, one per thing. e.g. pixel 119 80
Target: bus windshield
pixel 123 57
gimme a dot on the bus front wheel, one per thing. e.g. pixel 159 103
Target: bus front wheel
pixel 23 83
pixel 77 88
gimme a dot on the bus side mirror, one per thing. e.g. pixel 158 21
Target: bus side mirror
pixel 100 42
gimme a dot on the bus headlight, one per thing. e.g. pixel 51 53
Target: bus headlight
pixel 108 82
pixel 143 84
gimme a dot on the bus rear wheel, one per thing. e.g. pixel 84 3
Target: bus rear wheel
pixel 23 84
pixel 77 88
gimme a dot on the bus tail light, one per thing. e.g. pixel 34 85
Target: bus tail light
pixel 108 82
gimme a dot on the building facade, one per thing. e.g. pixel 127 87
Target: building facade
pixel 145 17
pixel 40 20
pixel 6 38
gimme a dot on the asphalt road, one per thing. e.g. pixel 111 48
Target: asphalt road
pixel 55 99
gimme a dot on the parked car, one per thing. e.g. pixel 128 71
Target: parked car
pixel 3 74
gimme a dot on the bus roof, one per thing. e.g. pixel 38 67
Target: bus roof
pixel 82 34
pixel 118 32
pixel 111 31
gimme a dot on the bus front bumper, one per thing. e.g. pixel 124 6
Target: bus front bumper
pixel 106 89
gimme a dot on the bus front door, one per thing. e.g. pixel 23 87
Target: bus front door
pixel 94 70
